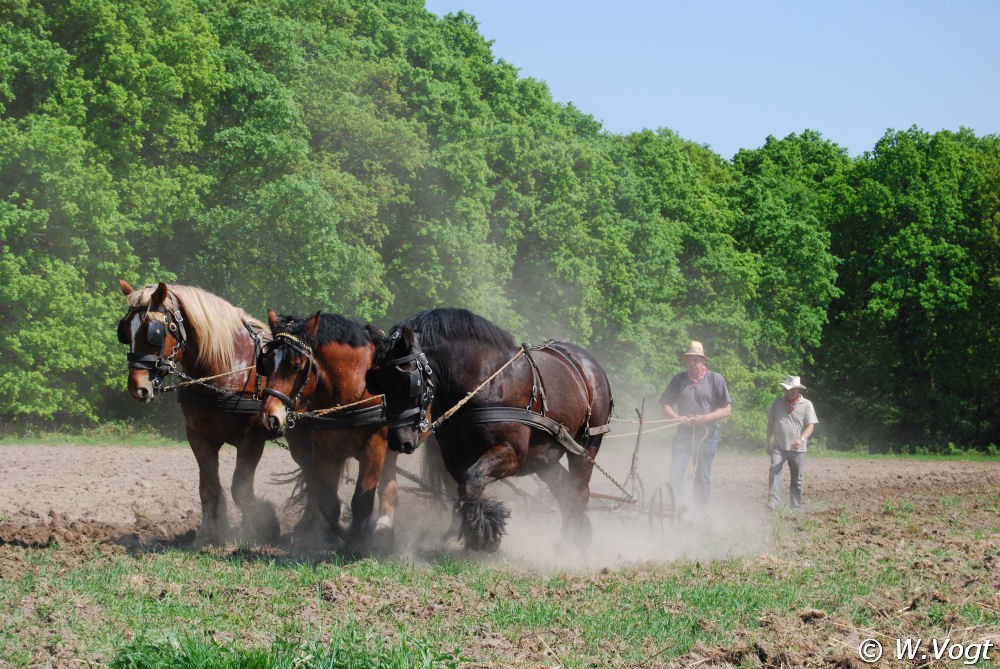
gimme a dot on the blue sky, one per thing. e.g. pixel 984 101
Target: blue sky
pixel 727 73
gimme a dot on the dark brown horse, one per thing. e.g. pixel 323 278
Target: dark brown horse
pixel 202 337
pixel 519 411
pixel 318 365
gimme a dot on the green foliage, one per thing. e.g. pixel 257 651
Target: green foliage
pixel 372 159
pixel 918 240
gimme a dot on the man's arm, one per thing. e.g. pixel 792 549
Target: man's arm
pixel 669 412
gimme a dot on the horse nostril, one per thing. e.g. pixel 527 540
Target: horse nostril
pixel 273 425
pixel 143 394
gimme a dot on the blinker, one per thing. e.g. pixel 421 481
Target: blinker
pixel 123 330
pixel 415 383
pixel 156 333
pixel 262 361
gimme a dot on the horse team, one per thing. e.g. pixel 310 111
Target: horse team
pixel 338 389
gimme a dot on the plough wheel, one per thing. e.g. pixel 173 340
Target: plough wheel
pixel 661 508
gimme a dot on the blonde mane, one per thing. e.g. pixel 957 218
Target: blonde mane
pixel 215 321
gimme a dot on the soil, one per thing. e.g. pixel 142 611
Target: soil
pixel 141 497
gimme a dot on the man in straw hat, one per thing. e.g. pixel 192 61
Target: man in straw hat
pixel 790 422
pixel 697 398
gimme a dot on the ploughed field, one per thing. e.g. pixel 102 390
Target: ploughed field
pixel 885 549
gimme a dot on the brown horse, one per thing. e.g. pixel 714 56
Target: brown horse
pixel 216 343
pixel 517 410
pixel 319 364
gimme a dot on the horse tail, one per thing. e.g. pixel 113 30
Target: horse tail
pixel 299 494
pixel 484 522
pixel 433 472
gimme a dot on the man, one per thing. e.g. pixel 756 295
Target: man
pixel 698 398
pixel 790 422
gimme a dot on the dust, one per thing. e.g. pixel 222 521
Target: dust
pixel 148 496
pixel 656 528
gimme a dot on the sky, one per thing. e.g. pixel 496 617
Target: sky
pixel 730 73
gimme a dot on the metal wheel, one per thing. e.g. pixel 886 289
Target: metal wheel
pixel 661 508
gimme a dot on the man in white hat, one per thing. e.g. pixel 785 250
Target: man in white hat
pixel 698 398
pixel 790 422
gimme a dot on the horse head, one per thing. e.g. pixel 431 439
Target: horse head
pixel 153 329
pixel 289 364
pixel 401 372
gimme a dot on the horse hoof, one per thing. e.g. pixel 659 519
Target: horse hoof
pixel 383 523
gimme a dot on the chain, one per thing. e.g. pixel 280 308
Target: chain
pixel 629 498
pixel 189 381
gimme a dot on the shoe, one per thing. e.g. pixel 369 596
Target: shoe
pixel 772 506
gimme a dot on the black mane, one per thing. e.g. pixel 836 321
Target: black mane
pixel 331 328
pixel 436 326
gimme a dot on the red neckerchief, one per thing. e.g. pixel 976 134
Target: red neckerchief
pixel 791 405
pixel 694 382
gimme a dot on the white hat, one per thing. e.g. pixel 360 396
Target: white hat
pixel 695 348
pixel 792 382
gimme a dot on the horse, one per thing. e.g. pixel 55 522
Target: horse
pixel 217 344
pixel 502 410
pixel 320 363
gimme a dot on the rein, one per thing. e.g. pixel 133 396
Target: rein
pixel 465 400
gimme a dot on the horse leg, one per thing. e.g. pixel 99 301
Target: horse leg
pixel 576 496
pixel 300 447
pixel 484 520
pixel 327 468
pixel 214 521
pixel 363 500
pixel 259 519
pixel 571 488
pixel 388 492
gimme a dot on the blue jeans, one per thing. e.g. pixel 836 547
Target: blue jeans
pixel 688 443
pixel 795 460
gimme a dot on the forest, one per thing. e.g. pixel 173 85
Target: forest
pixel 373 159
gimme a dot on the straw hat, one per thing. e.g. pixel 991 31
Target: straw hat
pixel 792 382
pixel 695 348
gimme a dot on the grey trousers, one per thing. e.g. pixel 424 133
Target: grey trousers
pixel 796 460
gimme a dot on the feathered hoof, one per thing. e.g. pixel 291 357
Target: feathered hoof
pixel 484 522
pixel 383 524
pixel 260 523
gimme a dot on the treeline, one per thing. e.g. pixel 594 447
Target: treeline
pixel 372 159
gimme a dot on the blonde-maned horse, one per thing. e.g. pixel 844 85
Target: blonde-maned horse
pixel 216 343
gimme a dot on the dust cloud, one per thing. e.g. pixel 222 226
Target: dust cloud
pixel 652 530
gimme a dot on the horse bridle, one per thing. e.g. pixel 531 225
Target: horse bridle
pixel 301 379
pixel 161 362
pixel 420 383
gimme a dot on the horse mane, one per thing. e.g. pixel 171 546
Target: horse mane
pixel 451 324
pixel 331 328
pixel 215 321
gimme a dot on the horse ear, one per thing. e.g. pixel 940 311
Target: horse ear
pixel 126 287
pixel 407 336
pixel 309 328
pixel 273 319
pixel 159 296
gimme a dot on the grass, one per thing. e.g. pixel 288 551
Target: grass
pixel 109 433
pixel 233 608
